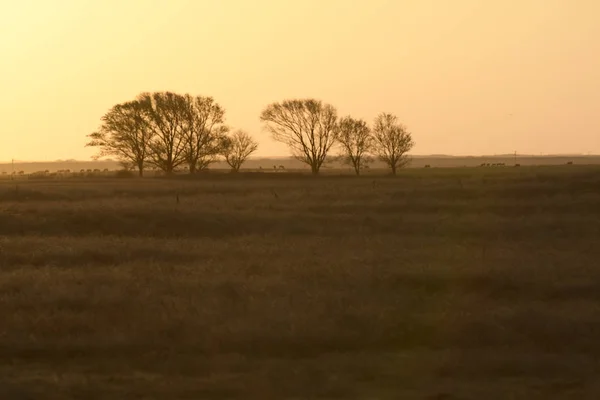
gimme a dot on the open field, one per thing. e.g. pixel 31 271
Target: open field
pixel 288 163
pixel 463 283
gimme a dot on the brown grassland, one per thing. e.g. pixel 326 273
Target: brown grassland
pixel 458 283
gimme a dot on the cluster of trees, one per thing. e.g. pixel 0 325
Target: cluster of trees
pixel 311 129
pixel 167 130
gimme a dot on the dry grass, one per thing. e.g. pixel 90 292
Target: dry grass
pixel 438 284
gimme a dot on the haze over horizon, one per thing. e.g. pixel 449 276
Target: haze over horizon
pixel 467 77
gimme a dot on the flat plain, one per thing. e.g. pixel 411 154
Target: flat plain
pixel 440 283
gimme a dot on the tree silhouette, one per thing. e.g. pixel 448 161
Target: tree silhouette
pixel 203 129
pixel 163 129
pixel 391 141
pixel 307 126
pixel 236 149
pixel 166 117
pixel 124 134
pixel 354 137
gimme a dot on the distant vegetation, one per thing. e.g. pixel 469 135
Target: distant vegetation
pixel 170 131
pixel 163 129
pixel 391 141
pixel 356 142
pixel 335 166
pixel 237 148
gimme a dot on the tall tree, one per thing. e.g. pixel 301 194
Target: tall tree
pixel 163 129
pixel 124 134
pixel 203 129
pixel 354 137
pixel 237 148
pixel 391 141
pixel 307 126
pixel 165 114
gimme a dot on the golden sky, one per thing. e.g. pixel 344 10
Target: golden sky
pixel 465 76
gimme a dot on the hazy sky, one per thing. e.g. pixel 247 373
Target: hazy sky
pixel 465 76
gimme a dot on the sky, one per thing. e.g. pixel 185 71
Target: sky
pixel 467 77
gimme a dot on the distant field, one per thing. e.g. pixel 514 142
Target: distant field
pixel 462 283
pixel 267 164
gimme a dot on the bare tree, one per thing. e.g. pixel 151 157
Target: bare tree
pixel 163 129
pixel 237 147
pixel 391 141
pixel 124 134
pixel 203 129
pixel 354 137
pixel 165 115
pixel 307 126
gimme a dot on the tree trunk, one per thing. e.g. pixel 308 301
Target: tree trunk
pixel 357 169
pixel 169 165
pixel 192 167
pixel 314 169
pixel 393 166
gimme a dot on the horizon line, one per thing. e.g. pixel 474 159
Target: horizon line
pixel 291 157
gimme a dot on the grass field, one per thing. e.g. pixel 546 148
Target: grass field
pixel 266 163
pixel 437 284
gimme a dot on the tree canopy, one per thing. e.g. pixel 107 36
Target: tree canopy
pixel 391 141
pixel 237 148
pixel 355 140
pixel 124 134
pixel 307 126
pixel 168 130
pixel 163 129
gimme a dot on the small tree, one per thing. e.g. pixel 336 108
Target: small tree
pixel 124 134
pixel 354 137
pixel 237 148
pixel 307 126
pixel 391 141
